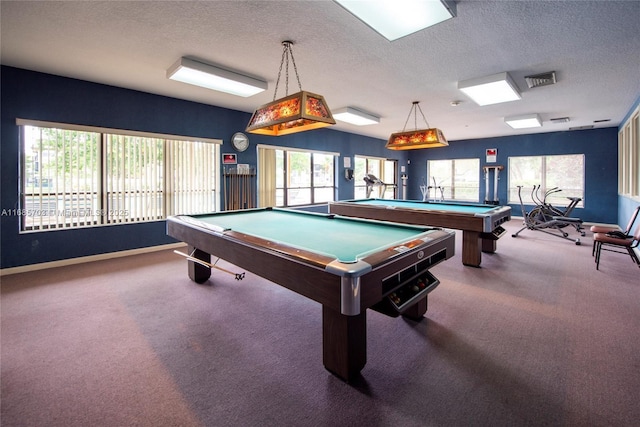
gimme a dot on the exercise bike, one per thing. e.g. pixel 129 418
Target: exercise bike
pixel 545 217
pixel 544 209
pixel 426 191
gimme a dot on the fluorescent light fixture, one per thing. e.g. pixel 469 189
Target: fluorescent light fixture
pixel 212 77
pixel 524 121
pixel 395 19
pixel 491 89
pixel 355 116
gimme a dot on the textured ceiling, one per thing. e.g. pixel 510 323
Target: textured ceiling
pixel 594 47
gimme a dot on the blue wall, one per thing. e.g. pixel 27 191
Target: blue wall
pixel 31 95
pixel 36 96
pixel 600 147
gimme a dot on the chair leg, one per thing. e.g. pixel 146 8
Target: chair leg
pixel 598 252
pixel 633 256
pixel 593 248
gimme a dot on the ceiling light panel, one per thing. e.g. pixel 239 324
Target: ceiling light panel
pixel 355 116
pixel 492 89
pixel 396 19
pixel 211 77
pixel 524 122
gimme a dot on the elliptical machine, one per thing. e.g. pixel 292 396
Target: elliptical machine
pixel 545 217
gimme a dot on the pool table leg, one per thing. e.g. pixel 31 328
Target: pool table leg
pixel 417 310
pixel 344 343
pixel 471 248
pixel 198 272
pixel 489 245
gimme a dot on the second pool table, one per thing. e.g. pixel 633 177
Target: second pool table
pixel 480 223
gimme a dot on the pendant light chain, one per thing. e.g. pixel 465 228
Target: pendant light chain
pixel 295 68
pixel 414 109
pixel 423 117
pixel 286 51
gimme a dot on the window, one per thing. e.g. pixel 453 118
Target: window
pixel 301 177
pixel 77 177
pixel 565 172
pixel 454 179
pixel 384 169
pixel 629 156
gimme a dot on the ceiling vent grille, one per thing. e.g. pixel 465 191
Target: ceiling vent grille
pixel 542 79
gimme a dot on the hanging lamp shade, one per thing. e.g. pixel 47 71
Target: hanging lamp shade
pixel 299 112
pixel 294 113
pixel 416 139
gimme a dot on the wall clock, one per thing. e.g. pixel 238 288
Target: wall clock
pixel 239 141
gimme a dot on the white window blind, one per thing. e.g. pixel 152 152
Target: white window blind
pixel 191 168
pixel 78 177
pixel 60 178
pixel 134 179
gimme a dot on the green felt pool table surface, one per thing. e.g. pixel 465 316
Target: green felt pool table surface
pixel 449 207
pixel 480 223
pixel 346 239
pixel 348 265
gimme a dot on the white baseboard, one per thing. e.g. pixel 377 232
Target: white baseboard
pixel 80 260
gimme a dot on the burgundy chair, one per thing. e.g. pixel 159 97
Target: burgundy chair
pixel 605 229
pixel 607 242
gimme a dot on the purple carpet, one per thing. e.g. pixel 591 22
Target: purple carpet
pixel 535 337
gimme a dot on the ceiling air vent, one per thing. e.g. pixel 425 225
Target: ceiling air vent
pixel 542 79
pixel 559 120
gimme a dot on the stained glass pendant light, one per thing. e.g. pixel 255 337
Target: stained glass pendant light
pixel 294 113
pixel 415 139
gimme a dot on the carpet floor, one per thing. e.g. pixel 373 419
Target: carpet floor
pixel 535 337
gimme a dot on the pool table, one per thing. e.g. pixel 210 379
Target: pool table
pixel 346 264
pixel 480 223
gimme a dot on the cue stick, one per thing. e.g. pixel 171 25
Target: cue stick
pixel 239 276
pixel 246 191
pixel 237 190
pixel 243 203
pixel 232 190
pixel 224 187
pixel 240 191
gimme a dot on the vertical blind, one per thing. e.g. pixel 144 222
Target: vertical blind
pixel 192 171
pixel 78 177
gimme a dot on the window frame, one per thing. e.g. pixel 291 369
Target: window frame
pixel 556 198
pixel 100 209
pixel 452 190
pixel 287 178
pixel 383 164
pixel 629 156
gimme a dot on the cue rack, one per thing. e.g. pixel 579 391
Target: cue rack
pixel 239 187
